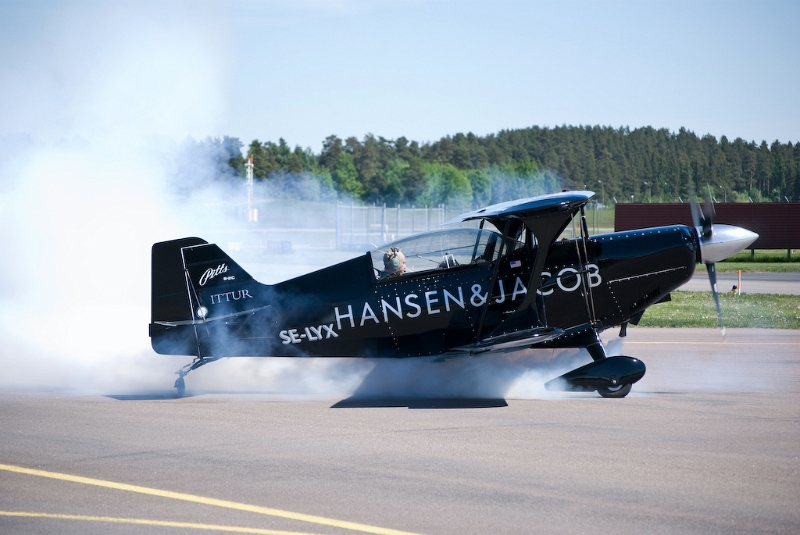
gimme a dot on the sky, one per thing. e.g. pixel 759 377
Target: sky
pixel 307 69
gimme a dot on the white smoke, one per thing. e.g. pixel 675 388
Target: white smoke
pixel 516 375
pixel 98 103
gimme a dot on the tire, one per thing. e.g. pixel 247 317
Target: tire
pixel 180 386
pixel 616 391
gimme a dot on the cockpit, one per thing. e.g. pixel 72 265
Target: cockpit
pixel 440 250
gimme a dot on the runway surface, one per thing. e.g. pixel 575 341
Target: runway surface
pixel 708 442
pixel 756 283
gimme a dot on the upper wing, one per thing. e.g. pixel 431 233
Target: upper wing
pixel 533 207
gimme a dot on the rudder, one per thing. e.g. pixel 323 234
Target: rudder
pixel 171 332
pixel 169 296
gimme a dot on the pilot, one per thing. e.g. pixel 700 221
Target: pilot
pixel 394 262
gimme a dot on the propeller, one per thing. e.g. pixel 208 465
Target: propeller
pixel 703 219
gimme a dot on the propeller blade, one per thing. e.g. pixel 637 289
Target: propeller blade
pixel 712 277
pixel 696 216
pixel 708 219
pixel 703 219
pixel 702 216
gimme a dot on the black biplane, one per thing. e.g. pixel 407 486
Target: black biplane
pixel 509 284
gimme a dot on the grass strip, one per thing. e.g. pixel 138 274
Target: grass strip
pixel 755 267
pixel 696 309
pixel 772 260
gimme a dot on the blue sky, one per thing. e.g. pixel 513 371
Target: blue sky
pixel 422 69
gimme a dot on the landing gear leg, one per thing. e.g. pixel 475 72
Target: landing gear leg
pixel 598 352
pixel 596 349
pixel 180 384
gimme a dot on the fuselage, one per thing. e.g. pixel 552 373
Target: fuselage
pixel 346 310
pixel 509 284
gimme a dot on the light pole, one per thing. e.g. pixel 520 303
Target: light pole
pixel 252 214
pixel 724 194
pixel 603 188
pixel 649 194
pixel 669 190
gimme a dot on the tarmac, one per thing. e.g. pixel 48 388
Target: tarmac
pixel 707 442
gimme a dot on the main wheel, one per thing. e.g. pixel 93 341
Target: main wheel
pixel 180 386
pixel 615 391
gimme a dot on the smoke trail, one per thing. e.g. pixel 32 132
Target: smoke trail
pixel 518 375
pixel 82 195
pixel 104 94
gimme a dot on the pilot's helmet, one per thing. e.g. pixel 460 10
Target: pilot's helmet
pixel 393 258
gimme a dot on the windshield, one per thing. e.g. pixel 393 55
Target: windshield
pixel 442 249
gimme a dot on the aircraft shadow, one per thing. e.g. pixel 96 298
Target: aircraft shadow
pixel 460 383
pixel 419 403
pixel 148 396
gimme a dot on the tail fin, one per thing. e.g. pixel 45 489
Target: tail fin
pixel 210 269
pixel 218 286
pixel 193 282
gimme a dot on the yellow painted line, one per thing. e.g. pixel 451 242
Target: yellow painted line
pixel 207 501
pixel 145 522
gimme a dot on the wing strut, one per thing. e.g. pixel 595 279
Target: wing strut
pixel 584 259
pixel 531 311
pixel 503 243
pixel 546 217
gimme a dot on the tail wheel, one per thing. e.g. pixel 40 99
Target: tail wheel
pixel 615 391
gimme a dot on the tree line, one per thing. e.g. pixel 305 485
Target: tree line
pixel 465 170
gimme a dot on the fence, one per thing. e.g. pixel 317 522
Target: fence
pixel 285 227
pixel 775 223
pixel 363 227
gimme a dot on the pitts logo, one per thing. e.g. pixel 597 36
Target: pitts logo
pixel 432 302
pixel 210 273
